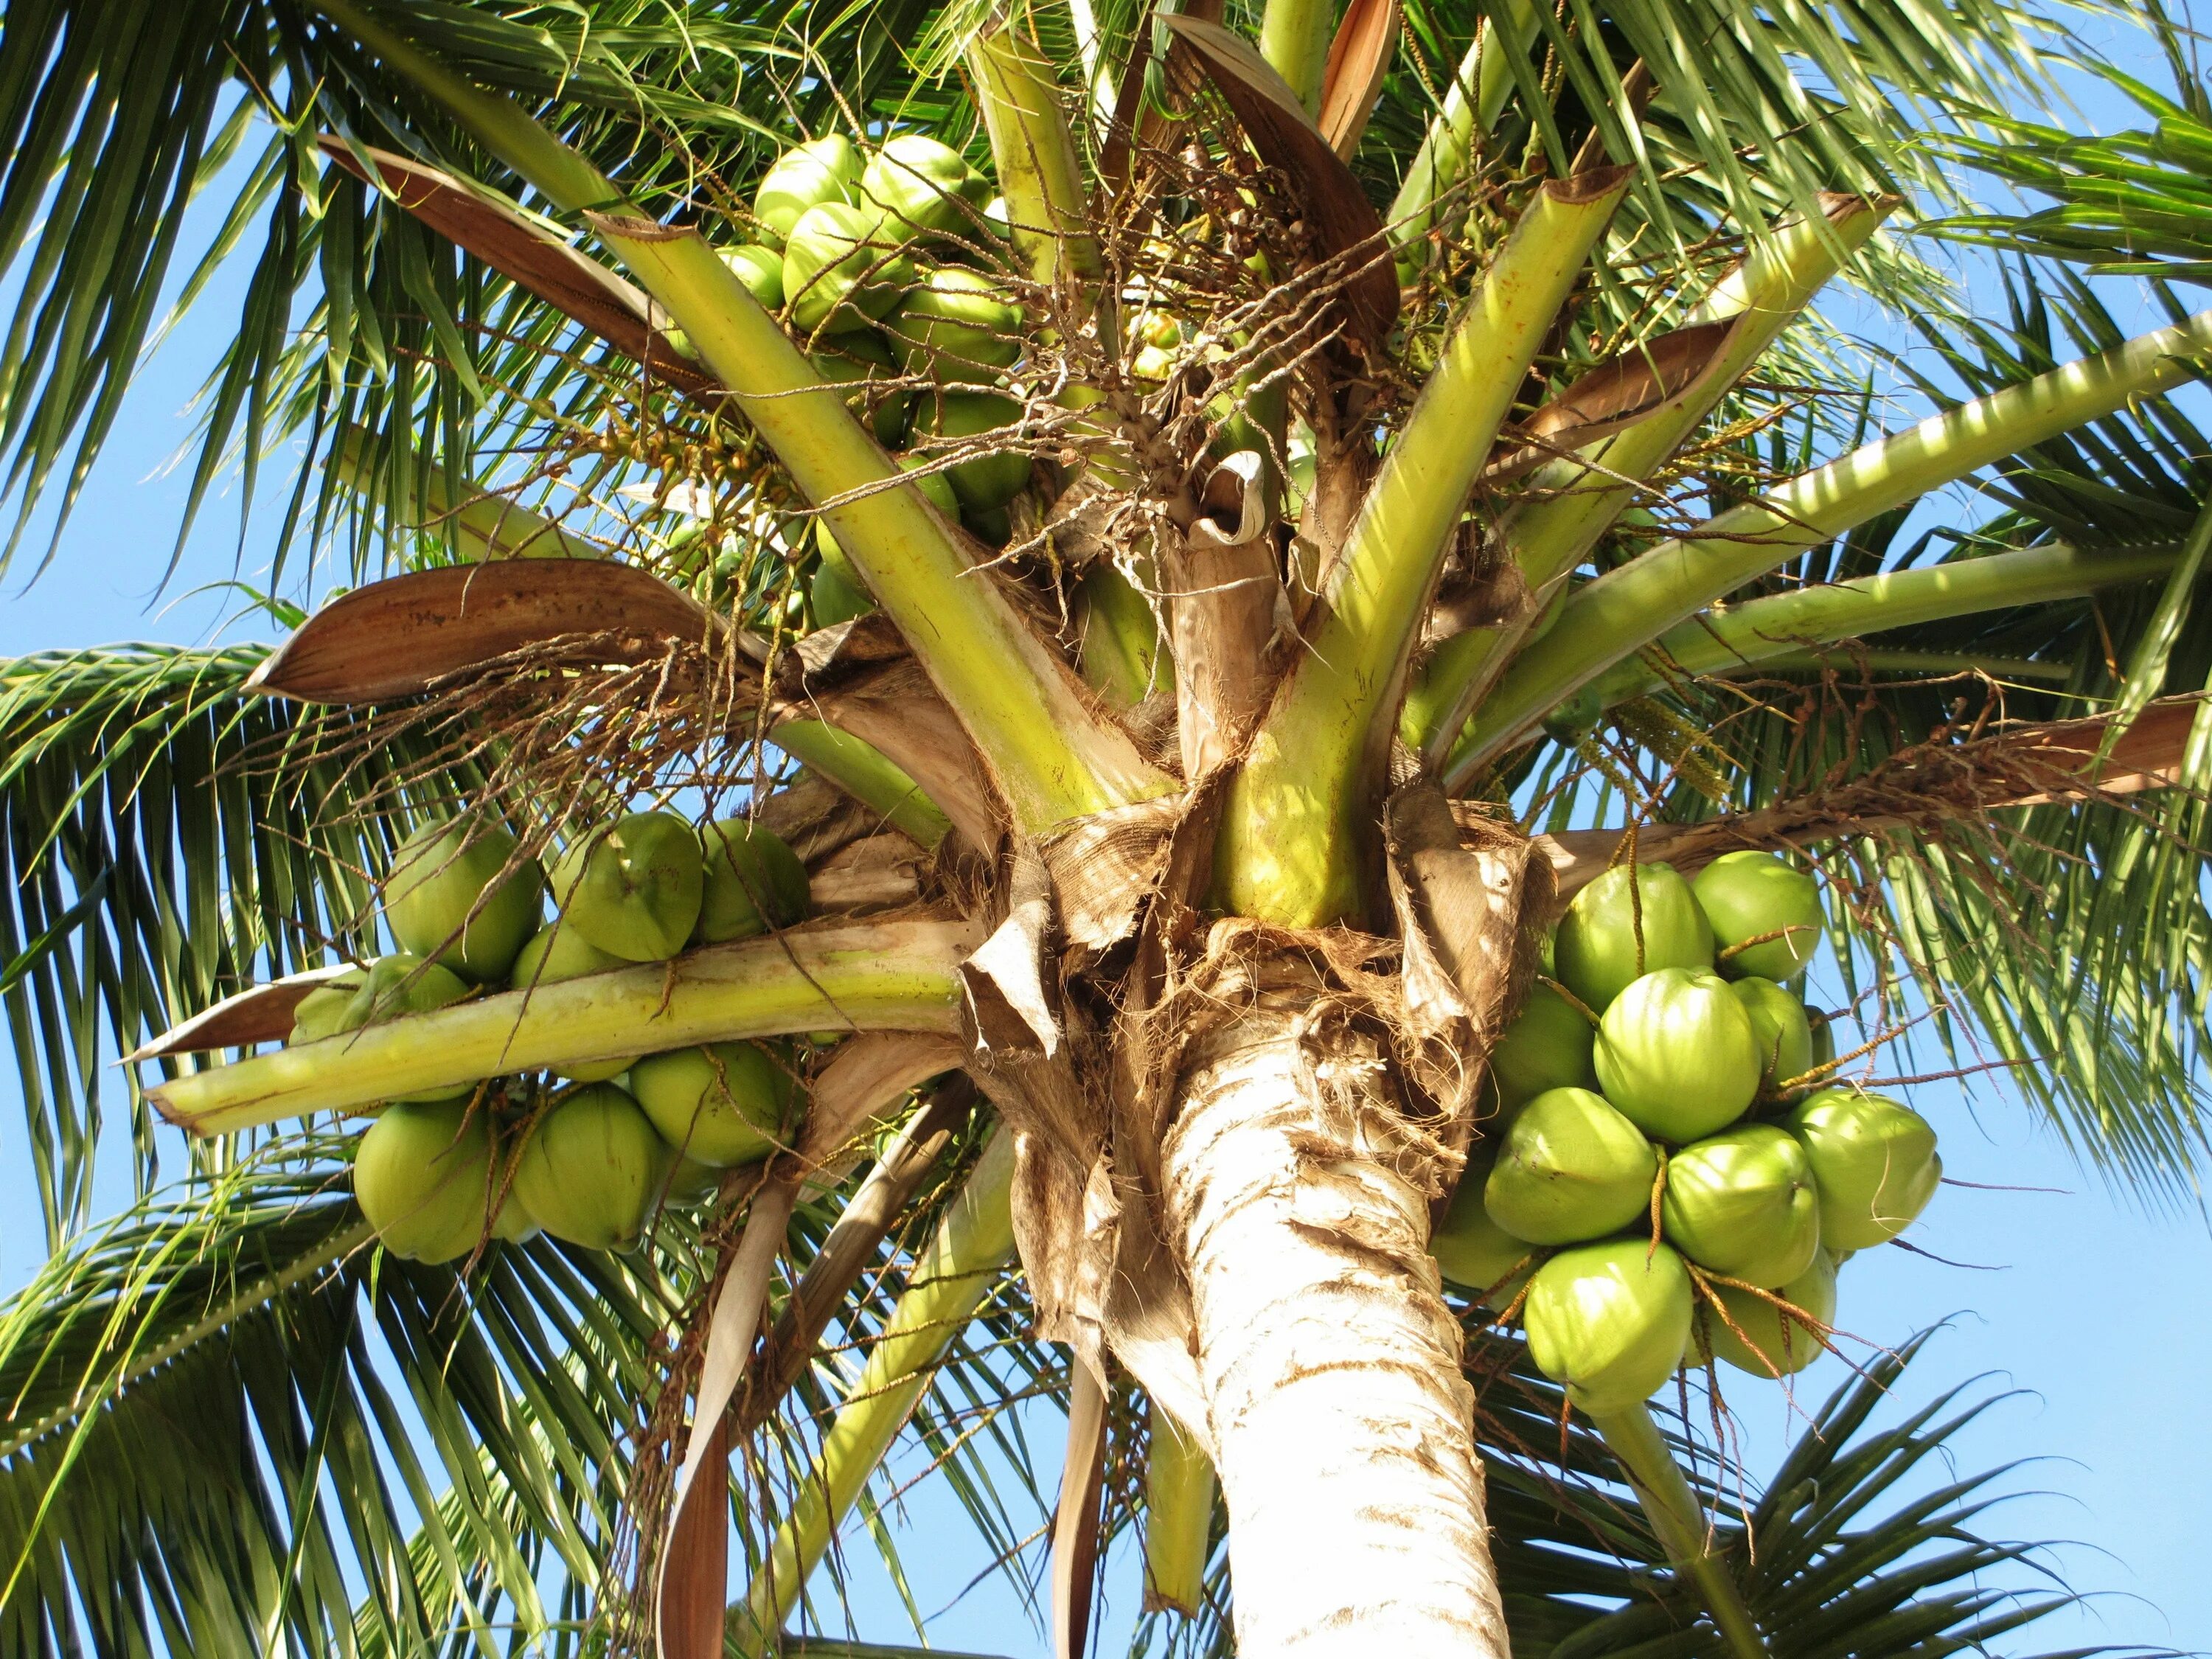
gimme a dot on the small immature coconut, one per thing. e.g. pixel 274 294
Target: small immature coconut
pixel 1677 1053
pixel 1610 1320
pixel 1748 895
pixel 805 176
pixel 924 188
pixel 1777 1020
pixel 721 1105
pixel 1742 1203
pixel 959 325
pixel 635 890
pixel 986 481
pixel 591 1169
pixel 760 269
pixel 1874 1160
pixel 754 882
pixel 834 594
pixel 1775 1343
pixel 842 268
pixel 1474 1251
pixel 1596 944
pixel 1570 1168
pixel 321 1011
pixel 422 1176
pixel 556 952
pixel 1547 1046
pixel 446 898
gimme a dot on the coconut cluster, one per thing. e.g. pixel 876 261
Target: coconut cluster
pixel 881 262
pixel 587 1156
pixel 1670 1179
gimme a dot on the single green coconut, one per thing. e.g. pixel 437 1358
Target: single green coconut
pixel 394 988
pixel 723 1105
pixel 318 1014
pixel 1596 944
pixel 805 176
pixel 959 325
pixel 1474 1252
pixel 842 268
pixel 422 1178
pixel 1773 1343
pixel 1151 365
pixel 1742 1203
pixel 1610 1320
pixel 1676 1052
pixel 556 952
pixel 514 1224
pixel 1570 1168
pixel 449 898
pixel 1547 1046
pixel 1874 1160
pixel 633 890
pixel 1824 1037
pixel 986 481
pixel 861 360
pixel 837 596
pixel 1778 1021
pixel 754 882
pixel 1748 895
pixel 591 1169
pixel 923 187
pixel 760 269
pixel 691 1182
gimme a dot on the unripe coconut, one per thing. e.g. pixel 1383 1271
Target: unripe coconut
pixel 1874 1160
pixel 1743 1203
pixel 422 1178
pixel 1778 1021
pixel 319 1013
pixel 1609 1320
pixel 1824 1037
pixel 1747 896
pixel 842 268
pixel 558 952
pixel 1474 1252
pixel 395 987
pixel 987 480
pixel 805 176
pixel 446 870
pixel 691 1182
pixel 1596 944
pixel 591 1169
pixel 760 269
pixel 1570 1168
pixel 1677 1053
pixel 513 1224
pixel 634 890
pixel 959 325
pixel 721 1105
pixel 1547 1046
pixel 835 596
pixel 1773 1343
pixel 754 882
pixel 923 187
pixel 860 360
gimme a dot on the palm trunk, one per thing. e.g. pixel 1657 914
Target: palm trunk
pixel 1343 1429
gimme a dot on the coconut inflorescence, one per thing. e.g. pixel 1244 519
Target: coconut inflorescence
pixel 1666 1177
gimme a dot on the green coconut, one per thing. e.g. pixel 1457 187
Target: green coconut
pixel 837 596
pixel 556 952
pixel 924 188
pixel 1610 1320
pixel 1742 1203
pixel 1778 1021
pixel 842 268
pixel 394 988
pixel 514 1224
pixel 634 890
pixel 722 1105
pixel 861 360
pixel 959 325
pixel 691 1182
pixel 1474 1252
pixel 1596 947
pixel 1748 895
pixel 754 882
pixel 1874 1160
pixel 1570 1168
pixel 422 1178
pixel 591 1169
pixel 760 269
pixel 1824 1037
pixel 985 481
pixel 318 1014
pixel 1676 1052
pixel 1774 1343
pixel 1547 1046
pixel 446 898
pixel 805 176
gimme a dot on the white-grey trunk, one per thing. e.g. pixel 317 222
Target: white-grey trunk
pixel 1343 1427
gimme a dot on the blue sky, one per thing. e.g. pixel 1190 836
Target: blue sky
pixel 2094 1309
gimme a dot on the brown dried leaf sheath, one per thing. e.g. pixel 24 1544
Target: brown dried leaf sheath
pixel 1359 58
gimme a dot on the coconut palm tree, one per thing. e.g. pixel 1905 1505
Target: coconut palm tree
pixel 1421 482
